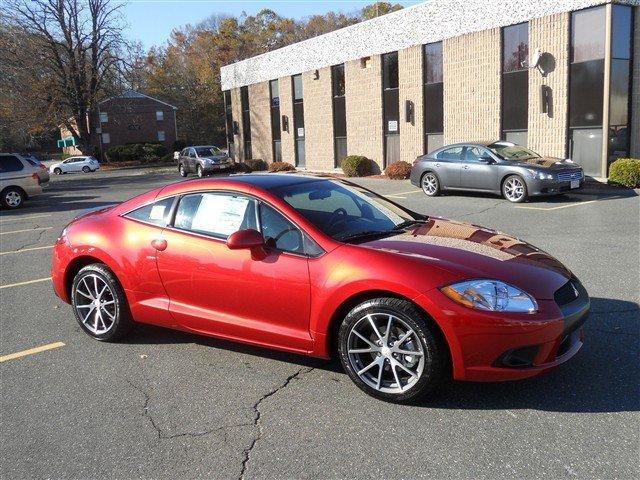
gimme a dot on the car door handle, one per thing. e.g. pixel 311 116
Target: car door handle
pixel 437 164
pixel 159 244
pixel 465 167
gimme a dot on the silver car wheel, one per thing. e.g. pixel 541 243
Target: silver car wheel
pixel 13 198
pixel 514 189
pixel 385 353
pixel 95 303
pixel 430 184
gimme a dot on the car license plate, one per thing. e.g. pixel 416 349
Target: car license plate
pixel 575 183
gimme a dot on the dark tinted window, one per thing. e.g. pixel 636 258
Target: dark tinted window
pixel 474 154
pixel 433 62
pixel 453 153
pixel 9 163
pixel 390 70
pixel 337 80
pixel 586 89
pixel 434 116
pixel 297 87
pixel 621 32
pixel 515 100
pixel 515 51
pixel 246 121
pixel 279 232
pixel 274 93
pixel 215 214
pixel 156 213
pixel 31 162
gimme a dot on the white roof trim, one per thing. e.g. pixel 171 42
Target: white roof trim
pixel 427 22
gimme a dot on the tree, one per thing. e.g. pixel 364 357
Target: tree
pixel 80 51
pixel 379 8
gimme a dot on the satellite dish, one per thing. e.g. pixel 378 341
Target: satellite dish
pixel 535 58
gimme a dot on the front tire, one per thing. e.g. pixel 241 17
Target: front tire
pixel 99 303
pixel 391 350
pixel 12 198
pixel 430 184
pixel 57 171
pixel 514 189
pixel 200 172
pixel 86 169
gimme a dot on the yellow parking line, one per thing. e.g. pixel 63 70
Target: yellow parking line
pixel 31 351
pixel 26 250
pixel 28 282
pixel 26 230
pixel 403 193
pixel 16 219
pixel 557 208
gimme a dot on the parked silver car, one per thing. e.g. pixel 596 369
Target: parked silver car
pixel 18 180
pixel 504 168
pixel 203 160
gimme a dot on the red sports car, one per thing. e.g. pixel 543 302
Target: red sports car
pixel 323 267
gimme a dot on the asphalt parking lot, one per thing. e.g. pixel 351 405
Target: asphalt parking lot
pixel 165 404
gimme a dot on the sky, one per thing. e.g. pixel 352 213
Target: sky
pixel 151 21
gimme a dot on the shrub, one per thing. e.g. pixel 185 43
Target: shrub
pixel 256 164
pixel 625 171
pixel 398 170
pixel 281 167
pixel 141 152
pixel 356 166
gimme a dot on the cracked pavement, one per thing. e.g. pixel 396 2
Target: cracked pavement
pixel 166 404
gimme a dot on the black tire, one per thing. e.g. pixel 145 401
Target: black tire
pixel 12 198
pixel 430 184
pixel 435 353
pixel 199 171
pixel 508 186
pixel 57 171
pixel 86 169
pixel 182 170
pixel 121 322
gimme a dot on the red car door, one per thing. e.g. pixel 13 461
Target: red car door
pixel 231 293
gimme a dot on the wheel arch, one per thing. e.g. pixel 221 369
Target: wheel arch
pixel 17 187
pixel 79 263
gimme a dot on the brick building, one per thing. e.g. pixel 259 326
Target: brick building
pixel 132 117
pixel 556 75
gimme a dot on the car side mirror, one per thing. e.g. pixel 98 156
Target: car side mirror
pixel 245 239
pixel 488 160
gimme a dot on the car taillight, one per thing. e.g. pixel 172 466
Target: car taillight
pixel 43 166
pixel 36 177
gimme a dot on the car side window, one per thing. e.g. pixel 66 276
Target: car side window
pixel 278 232
pixel 474 154
pixel 10 163
pixel 156 213
pixel 215 214
pixel 192 153
pixel 453 153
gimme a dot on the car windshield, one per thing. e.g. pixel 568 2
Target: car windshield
pixel 345 212
pixel 206 151
pixel 511 151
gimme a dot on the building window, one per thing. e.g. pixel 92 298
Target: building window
pixel 106 138
pixel 586 88
pixel 104 117
pixel 339 115
pixel 515 83
pixel 246 121
pixel 228 123
pixel 159 115
pixel 274 101
pixel 620 81
pixel 391 107
pixel 298 120
pixel 160 136
pixel 433 97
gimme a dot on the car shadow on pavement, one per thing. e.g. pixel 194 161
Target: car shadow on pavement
pixel 603 377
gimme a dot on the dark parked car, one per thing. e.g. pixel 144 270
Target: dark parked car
pixel 505 168
pixel 203 160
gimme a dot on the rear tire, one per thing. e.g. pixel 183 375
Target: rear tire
pixel 12 198
pixel 86 169
pixel 514 189
pixel 57 171
pixel 430 184
pixel 182 170
pixel 379 362
pixel 99 303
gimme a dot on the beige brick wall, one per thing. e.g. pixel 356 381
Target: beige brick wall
pixel 236 113
pixel 410 78
pixel 318 119
pixel 261 146
pixel 548 132
pixel 472 87
pixel 363 91
pixel 286 108
pixel 635 94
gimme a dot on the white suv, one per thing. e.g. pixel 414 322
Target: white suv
pixel 18 180
pixel 75 164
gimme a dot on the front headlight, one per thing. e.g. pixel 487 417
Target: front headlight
pixel 490 295
pixel 539 175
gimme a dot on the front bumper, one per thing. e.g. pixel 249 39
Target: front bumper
pixel 538 188
pixel 483 345
pixel 216 167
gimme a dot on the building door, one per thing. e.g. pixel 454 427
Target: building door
pixel 391 108
pixel 298 121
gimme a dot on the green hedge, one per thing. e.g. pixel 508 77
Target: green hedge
pixel 142 152
pixel 625 171
pixel 356 166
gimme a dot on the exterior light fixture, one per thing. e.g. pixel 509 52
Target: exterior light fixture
pixel 316 74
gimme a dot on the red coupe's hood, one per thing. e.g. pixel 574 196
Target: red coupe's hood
pixel 476 252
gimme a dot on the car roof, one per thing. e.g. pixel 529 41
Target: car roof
pixel 269 181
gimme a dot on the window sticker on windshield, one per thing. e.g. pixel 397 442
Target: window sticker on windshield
pixel 220 214
pixel 157 212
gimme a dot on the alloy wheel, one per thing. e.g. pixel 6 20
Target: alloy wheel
pixel 95 304
pixel 514 189
pixel 385 353
pixel 430 184
pixel 13 198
